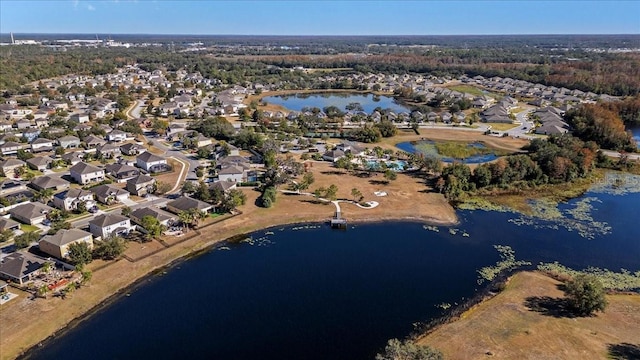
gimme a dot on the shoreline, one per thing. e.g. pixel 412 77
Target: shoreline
pixel 70 321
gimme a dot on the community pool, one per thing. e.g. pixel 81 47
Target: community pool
pixel 395 165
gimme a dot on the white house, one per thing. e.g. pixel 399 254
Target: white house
pixel 151 162
pixel 84 173
pixel 110 224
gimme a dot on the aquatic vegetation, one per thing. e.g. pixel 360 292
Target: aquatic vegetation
pixel 443 306
pixel 623 280
pixel 507 262
pixel 617 183
pixel 453 231
pixel 431 228
pixel 479 203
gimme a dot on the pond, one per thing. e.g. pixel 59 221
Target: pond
pixel 428 148
pixel 306 292
pixel 636 135
pixel 321 100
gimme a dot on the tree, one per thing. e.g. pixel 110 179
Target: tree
pixel 390 175
pixel 43 195
pixel 407 350
pixel 25 239
pixel 331 192
pixel 24 155
pixel 162 188
pixel 186 218
pixel 6 235
pixel 153 226
pixel 80 253
pixel 357 194
pixel 126 211
pixel 586 294
pixel 111 248
pixel 307 180
pixel 81 208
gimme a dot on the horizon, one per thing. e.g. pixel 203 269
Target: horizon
pixel 314 18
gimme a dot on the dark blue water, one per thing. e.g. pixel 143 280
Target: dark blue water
pixel 475 159
pixel 322 294
pixel 340 100
pixel 636 135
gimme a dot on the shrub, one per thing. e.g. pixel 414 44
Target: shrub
pixel 585 294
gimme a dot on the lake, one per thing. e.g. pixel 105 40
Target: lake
pixel 321 100
pixel 307 292
pixel 636 134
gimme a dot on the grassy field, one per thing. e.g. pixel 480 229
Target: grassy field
pixel 501 126
pixel 522 322
pixel 29 228
pixel 467 89
pixel 460 150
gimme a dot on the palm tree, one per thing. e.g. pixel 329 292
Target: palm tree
pixel 186 218
pixel 196 216
pixel 44 195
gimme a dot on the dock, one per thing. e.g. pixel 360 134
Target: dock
pixel 338 222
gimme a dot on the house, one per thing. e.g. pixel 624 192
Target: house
pixel 20 268
pixel 553 128
pixel 151 162
pixel 9 167
pixel 185 203
pixel 333 155
pixel 84 173
pixel 68 142
pixel 80 118
pixel 141 185
pixel 223 186
pixel 41 144
pixel 165 218
pixel 117 136
pixel 108 151
pixel 42 122
pixel 30 213
pixel 110 224
pixel 58 245
pixel 93 141
pixel 70 199
pixel 122 172
pixel 24 124
pixel 10 147
pixel 132 149
pixel 55 183
pixel 108 194
pixel 40 163
pixel 10 186
pixel 8 224
pixel 231 173
pixel 31 134
pixel 73 158
pixel 202 141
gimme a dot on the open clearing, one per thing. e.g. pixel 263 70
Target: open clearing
pixel 504 327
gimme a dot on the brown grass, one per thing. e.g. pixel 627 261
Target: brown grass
pixel 505 328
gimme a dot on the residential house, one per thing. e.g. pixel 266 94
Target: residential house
pixel 232 173
pixel 333 155
pixel 10 186
pixel 121 172
pixel 42 122
pixel 20 268
pixel 69 141
pixel 55 183
pixel 141 185
pixel 223 186
pixel 30 213
pixel 165 218
pixel 84 173
pixel 8 224
pixel 41 144
pixel 24 124
pixel 80 118
pixel 58 245
pixel 152 162
pixel 108 151
pixel 5 126
pixel 10 167
pixel 31 134
pixel 185 203
pixel 110 224
pixel 70 199
pixel 73 158
pixel 117 136
pixel 108 194
pixel 93 141
pixel 132 149
pixel 10 148
pixel 40 163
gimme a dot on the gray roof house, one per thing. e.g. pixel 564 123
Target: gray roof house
pixel 30 213
pixel 132 149
pixel 20 267
pixel 49 182
pixel 117 136
pixel 70 199
pixel 121 172
pixel 8 224
pixel 93 141
pixel 84 173
pixel 108 194
pixel 9 166
pixel 151 162
pixel 73 157
pixel 164 217
pixel 69 141
pixel 108 151
pixel 58 245
pixel 110 224
pixel 10 147
pixel 41 163
pixel 184 203
pixel 140 185
pixel 41 144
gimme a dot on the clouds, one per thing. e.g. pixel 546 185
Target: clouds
pixel 87 6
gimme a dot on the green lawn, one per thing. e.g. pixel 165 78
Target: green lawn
pixel 29 228
pixel 468 89
pixel 501 126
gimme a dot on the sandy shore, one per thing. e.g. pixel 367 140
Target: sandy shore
pixel 26 323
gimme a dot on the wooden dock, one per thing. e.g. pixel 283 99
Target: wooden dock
pixel 338 222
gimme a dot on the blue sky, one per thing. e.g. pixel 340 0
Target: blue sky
pixel 300 17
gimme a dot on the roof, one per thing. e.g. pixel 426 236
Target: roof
pixel 68 138
pixel 153 211
pixel 11 162
pixel 92 139
pixel 185 203
pixel 223 185
pixel 107 220
pixel 103 191
pixel 18 265
pixel 129 146
pixel 73 194
pixel 39 160
pixel 140 179
pixel 47 181
pixel 10 144
pixel 230 170
pixel 64 237
pixel 149 157
pixel 118 168
pixel 30 210
pixel 84 168
pixel 8 223
pixel 42 141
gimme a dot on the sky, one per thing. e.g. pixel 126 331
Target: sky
pixel 302 17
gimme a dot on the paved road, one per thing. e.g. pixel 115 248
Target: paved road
pixel 616 154
pixel 525 126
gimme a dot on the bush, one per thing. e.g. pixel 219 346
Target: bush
pixel 407 350
pixel 586 295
